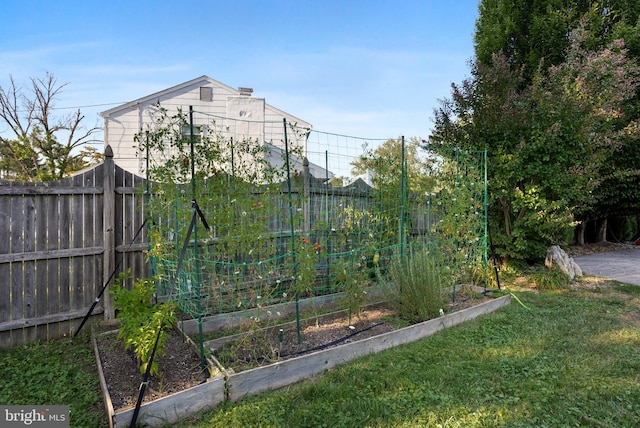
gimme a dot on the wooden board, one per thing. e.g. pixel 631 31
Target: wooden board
pixel 172 408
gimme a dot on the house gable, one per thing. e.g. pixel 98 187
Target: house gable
pixel 184 92
pixel 232 113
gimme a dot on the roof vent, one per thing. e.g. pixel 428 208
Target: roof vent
pixel 245 91
pixel 206 93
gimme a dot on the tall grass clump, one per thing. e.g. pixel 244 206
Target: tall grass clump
pixel 414 285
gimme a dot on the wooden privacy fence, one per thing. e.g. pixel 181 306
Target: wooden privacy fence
pixel 59 243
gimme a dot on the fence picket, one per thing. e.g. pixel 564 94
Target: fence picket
pixel 17 244
pixel 41 265
pixel 29 268
pixel 76 241
pixel 52 249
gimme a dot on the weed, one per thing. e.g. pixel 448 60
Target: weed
pixel 548 279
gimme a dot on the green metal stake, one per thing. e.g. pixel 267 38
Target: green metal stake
pixel 146 207
pixel 380 206
pixel 486 222
pixel 429 214
pixel 327 217
pixel 195 236
pixel 457 189
pixel 326 177
pixel 402 191
pixel 293 237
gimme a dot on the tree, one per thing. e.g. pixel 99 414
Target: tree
pixel 534 34
pixel 41 146
pixel 548 138
pixel 600 87
pixel 386 164
pixel 524 31
pixel 493 110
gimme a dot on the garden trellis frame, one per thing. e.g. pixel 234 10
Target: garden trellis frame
pixel 282 230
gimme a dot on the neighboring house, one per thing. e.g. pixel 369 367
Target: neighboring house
pixel 275 158
pixel 219 108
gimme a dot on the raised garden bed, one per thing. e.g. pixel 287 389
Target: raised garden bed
pixel 286 372
pixel 231 382
pixel 280 342
pixel 169 397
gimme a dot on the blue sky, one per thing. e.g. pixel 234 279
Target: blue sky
pixel 371 68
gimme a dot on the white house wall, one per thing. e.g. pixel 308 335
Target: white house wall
pixel 256 119
pixel 245 118
pixel 122 126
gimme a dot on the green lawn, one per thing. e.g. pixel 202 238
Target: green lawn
pixel 59 372
pixel 571 358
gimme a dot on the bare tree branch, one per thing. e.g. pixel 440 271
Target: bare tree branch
pixel 44 147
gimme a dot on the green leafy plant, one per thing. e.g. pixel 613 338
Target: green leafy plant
pixel 458 211
pixel 415 284
pixel 237 185
pixel 350 276
pixel 307 256
pixel 141 320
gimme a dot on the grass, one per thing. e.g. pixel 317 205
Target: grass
pixel 571 359
pixel 59 372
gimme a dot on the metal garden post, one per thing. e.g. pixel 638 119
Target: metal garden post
pixel 195 235
pixel 486 221
pixel 402 201
pixel 292 229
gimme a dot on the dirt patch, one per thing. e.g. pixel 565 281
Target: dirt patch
pixel 267 346
pixel 603 289
pixel 179 367
pixel 631 318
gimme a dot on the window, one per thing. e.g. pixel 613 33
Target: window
pixel 206 93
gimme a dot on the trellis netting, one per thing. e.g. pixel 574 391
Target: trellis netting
pixel 293 212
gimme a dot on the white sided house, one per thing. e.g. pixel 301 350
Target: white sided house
pixel 217 108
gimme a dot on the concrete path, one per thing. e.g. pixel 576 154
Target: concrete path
pixel 622 266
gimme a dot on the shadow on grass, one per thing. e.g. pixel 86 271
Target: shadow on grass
pixel 572 359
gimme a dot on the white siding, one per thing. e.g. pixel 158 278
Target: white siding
pixel 256 119
pixel 245 118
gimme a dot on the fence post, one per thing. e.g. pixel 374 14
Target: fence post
pixel 109 219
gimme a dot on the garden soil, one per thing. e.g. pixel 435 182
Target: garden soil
pixel 179 367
